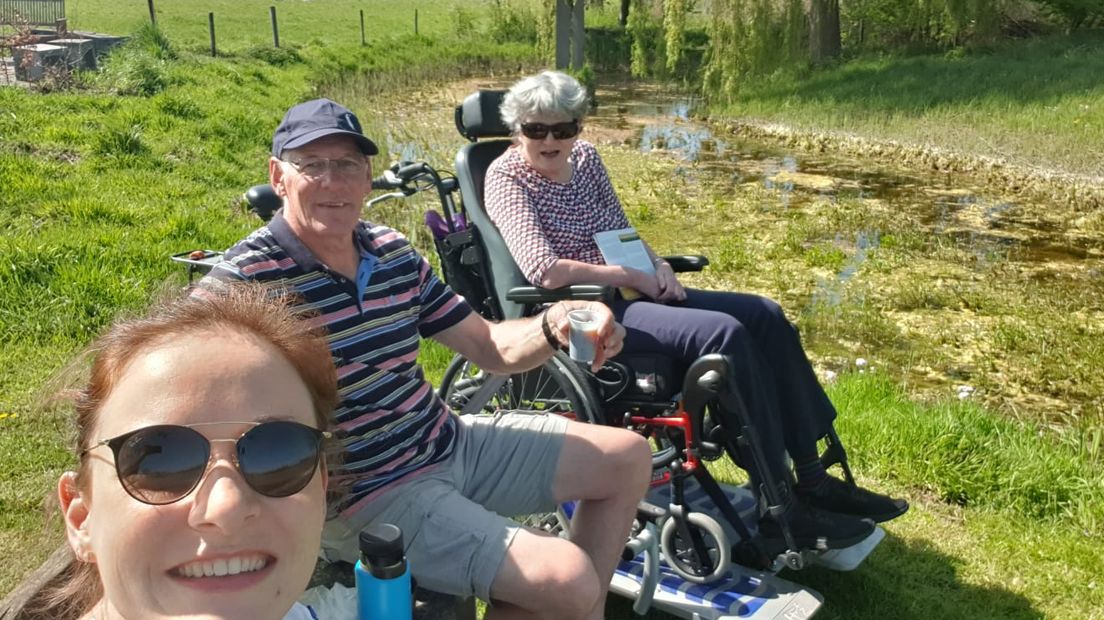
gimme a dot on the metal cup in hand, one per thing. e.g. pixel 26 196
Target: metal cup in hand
pixel 583 340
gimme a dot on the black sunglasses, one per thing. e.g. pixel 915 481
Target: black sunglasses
pixel 559 131
pixel 165 463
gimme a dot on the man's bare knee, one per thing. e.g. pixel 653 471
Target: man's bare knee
pixel 632 462
pixel 563 584
pixel 578 591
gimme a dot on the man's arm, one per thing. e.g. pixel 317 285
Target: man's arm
pixel 519 345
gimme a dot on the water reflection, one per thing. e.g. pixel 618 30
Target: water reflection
pixel 980 273
pixel 963 277
pixel 687 142
pixel 664 124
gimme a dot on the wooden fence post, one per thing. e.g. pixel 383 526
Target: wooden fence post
pixel 362 40
pixel 275 29
pixel 211 27
pixel 153 17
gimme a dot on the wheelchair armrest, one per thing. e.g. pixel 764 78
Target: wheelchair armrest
pixel 538 295
pixel 686 262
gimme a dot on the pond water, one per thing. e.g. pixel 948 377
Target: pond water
pixel 955 289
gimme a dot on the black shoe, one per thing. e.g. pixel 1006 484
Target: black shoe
pixel 816 529
pixel 836 495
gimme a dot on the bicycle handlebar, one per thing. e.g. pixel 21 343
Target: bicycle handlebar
pixel 401 174
pixel 409 178
pixel 387 180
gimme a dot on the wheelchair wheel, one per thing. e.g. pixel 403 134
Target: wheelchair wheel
pixel 703 557
pixel 558 386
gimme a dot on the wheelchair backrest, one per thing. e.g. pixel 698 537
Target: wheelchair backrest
pixel 478 117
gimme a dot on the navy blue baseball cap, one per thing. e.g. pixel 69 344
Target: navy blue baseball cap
pixel 316 119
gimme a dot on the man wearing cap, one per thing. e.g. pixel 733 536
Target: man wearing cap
pixel 444 480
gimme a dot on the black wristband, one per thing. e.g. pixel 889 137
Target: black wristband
pixel 548 335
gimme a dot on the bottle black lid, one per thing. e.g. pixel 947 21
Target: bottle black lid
pixel 381 544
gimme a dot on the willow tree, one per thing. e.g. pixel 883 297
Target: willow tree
pixel 753 37
pixel 674 30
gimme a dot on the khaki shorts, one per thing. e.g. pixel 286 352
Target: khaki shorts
pixel 452 516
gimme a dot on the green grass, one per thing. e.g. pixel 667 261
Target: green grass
pixel 975 542
pixel 102 183
pixel 1006 485
pixel 936 300
pixel 1035 102
pixel 245 23
pixel 145 159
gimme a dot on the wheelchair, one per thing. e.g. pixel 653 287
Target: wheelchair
pixel 695 550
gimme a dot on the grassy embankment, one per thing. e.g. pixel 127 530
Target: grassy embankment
pixel 102 183
pixel 1035 103
pixel 100 188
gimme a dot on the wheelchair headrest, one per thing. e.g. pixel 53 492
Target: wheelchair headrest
pixel 478 116
pixel 263 201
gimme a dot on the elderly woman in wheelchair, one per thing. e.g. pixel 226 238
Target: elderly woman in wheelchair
pixel 549 194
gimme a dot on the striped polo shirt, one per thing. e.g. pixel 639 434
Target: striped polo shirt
pixel 396 425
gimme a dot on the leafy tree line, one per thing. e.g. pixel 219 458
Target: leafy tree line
pixel 755 37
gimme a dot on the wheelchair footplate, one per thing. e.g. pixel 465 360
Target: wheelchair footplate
pixel 738 592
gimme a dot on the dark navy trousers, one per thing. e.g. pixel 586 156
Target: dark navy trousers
pixel 783 398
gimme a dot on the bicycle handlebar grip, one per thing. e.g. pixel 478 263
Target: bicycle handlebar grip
pixel 384 182
pixel 388 180
pixel 410 170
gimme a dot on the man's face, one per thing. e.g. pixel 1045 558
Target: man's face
pixel 323 185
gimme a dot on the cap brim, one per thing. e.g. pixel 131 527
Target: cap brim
pixel 366 146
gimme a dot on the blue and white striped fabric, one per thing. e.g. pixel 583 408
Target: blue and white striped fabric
pixel 396 425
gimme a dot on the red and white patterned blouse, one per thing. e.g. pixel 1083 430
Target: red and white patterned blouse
pixel 542 220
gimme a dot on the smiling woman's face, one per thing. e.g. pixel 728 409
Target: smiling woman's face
pixel 224 550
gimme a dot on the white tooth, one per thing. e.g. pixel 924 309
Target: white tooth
pixel 220 567
pixel 208 569
pixel 234 566
pixel 193 570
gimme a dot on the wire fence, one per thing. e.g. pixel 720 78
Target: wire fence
pixel 33 12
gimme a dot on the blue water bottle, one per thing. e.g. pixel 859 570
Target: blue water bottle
pixel 382 576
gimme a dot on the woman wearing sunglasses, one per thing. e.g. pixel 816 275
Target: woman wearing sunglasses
pixel 549 194
pixel 201 487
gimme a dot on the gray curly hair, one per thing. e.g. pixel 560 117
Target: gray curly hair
pixel 549 93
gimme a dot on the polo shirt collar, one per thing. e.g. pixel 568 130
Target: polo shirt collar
pixel 299 252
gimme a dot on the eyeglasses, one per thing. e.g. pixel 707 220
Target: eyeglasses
pixel 163 464
pixel 559 131
pixel 341 168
